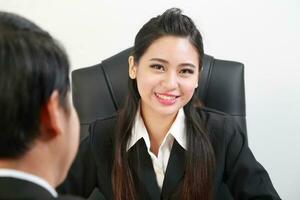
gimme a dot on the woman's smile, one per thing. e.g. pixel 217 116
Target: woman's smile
pixel 166 99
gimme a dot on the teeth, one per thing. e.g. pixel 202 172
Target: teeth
pixel 166 97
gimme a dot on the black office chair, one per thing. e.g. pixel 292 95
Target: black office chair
pixel 100 90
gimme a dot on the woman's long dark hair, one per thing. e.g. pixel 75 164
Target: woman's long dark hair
pixel 200 159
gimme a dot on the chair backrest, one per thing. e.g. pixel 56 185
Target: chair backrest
pixel 100 90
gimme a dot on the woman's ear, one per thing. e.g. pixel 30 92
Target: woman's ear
pixel 132 67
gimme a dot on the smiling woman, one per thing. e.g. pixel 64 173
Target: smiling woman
pixel 167 76
pixel 165 146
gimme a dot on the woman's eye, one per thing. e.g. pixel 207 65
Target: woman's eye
pixel 157 67
pixel 187 71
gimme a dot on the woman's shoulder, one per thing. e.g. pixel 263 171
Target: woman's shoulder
pixel 219 123
pixel 103 122
pixel 213 117
pixel 103 129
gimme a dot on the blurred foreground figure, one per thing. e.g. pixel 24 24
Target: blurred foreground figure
pixel 39 130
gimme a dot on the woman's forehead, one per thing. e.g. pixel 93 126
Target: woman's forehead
pixel 172 49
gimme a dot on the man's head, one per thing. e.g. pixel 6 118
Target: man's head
pixel 35 104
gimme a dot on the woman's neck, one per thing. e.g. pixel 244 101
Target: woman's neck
pixel 157 127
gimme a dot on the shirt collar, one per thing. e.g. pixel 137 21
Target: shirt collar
pixel 28 177
pixel 138 131
pixel 177 130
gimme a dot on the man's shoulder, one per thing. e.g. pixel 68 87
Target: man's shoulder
pixel 16 188
pixel 69 197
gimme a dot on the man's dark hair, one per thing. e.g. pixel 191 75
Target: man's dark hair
pixel 32 66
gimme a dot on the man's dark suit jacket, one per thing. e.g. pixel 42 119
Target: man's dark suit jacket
pixel 12 188
pixel 235 164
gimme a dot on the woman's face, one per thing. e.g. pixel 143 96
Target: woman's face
pixel 167 75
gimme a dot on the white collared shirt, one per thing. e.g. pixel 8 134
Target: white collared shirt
pixel 177 131
pixel 28 177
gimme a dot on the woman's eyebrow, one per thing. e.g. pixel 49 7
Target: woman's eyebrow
pixel 187 64
pixel 180 65
pixel 159 59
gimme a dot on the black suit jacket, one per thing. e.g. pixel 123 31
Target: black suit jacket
pixel 12 188
pixel 235 164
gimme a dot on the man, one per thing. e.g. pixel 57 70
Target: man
pixel 39 129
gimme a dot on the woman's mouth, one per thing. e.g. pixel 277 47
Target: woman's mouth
pixel 166 99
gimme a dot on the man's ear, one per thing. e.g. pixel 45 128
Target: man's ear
pixel 50 119
pixel 132 67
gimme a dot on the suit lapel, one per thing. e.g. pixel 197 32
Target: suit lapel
pixel 143 173
pixel 175 170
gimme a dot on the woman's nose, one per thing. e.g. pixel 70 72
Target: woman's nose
pixel 170 80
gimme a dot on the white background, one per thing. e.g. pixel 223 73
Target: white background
pixel 263 34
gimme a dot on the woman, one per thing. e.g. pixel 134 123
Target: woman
pixel 165 145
